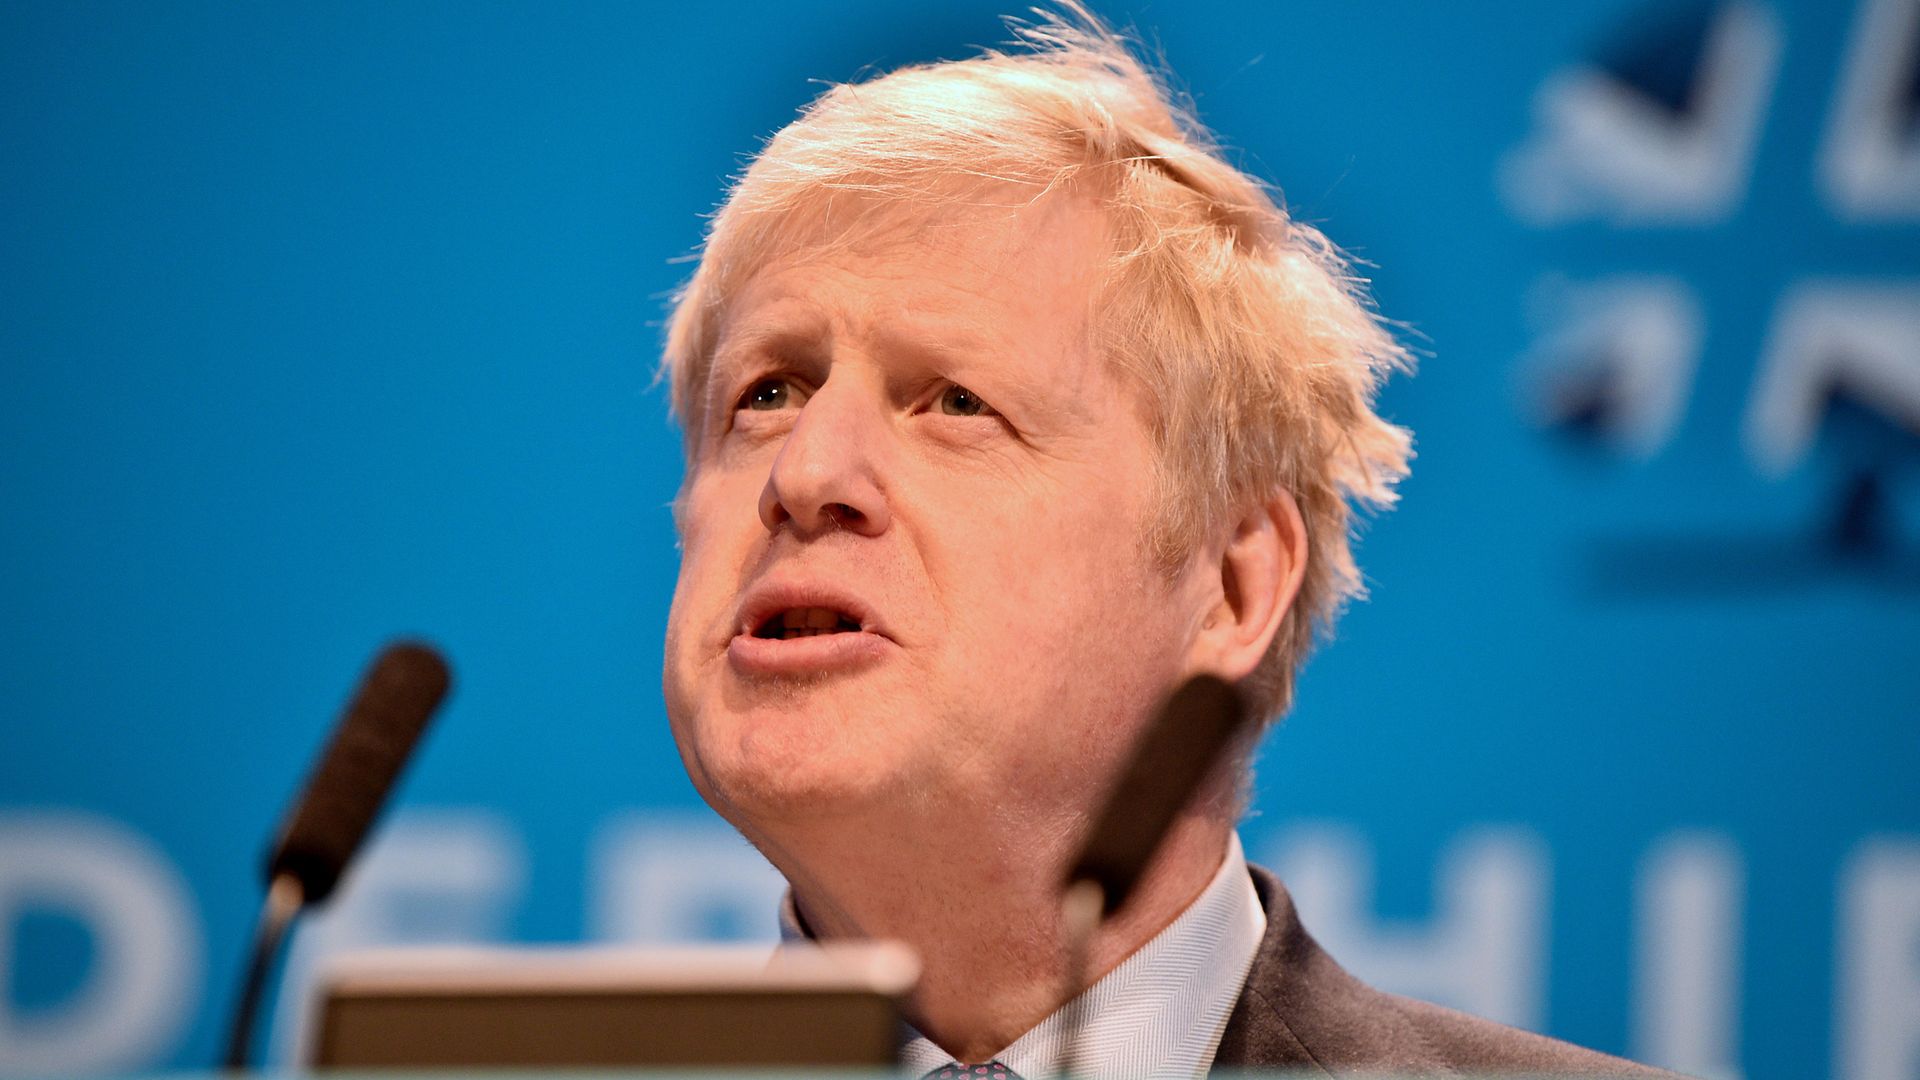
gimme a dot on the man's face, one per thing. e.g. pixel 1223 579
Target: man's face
pixel 913 577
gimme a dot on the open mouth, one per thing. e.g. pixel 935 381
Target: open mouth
pixel 806 622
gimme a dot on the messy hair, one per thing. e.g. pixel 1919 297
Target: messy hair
pixel 1255 347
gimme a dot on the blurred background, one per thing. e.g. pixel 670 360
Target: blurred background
pixel 325 324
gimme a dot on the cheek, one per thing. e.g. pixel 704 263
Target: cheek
pixel 1066 605
pixel 696 621
pixel 701 500
pixel 715 538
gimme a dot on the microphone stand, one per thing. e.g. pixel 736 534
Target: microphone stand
pixel 285 898
pixel 1184 742
pixel 350 783
pixel 1080 909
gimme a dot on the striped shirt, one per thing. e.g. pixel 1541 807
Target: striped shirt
pixel 1159 1014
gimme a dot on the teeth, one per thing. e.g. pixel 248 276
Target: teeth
pixel 809 619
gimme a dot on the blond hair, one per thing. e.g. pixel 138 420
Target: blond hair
pixel 1256 348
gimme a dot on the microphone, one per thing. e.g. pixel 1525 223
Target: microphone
pixel 344 794
pixel 1171 761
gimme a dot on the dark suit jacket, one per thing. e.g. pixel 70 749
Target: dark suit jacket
pixel 1299 1010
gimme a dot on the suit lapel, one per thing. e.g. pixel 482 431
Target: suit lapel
pixel 1257 1034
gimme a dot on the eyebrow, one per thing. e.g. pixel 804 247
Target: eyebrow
pixel 802 336
pixel 769 337
pixel 772 336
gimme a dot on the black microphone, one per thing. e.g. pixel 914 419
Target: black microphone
pixel 349 785
pixel 337 806
pixel 1170 762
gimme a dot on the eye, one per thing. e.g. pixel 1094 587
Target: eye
pixel 960 401
pixel 767 395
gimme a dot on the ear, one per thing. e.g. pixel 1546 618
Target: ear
pixel 1260 573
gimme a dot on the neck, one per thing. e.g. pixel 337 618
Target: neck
pixel 986 920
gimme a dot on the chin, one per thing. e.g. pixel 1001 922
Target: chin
pixel 794 762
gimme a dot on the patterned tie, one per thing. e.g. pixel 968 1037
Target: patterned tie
pixel 992 1070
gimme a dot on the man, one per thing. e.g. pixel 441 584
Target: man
pixel 1009 404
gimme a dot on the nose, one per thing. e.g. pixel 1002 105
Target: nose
pixel 827 474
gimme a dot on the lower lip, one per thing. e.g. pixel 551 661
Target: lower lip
pixel 815 655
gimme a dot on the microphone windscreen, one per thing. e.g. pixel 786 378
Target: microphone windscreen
pixel 369 747
pixel 1172 759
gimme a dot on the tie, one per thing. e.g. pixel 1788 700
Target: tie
pixel 992 1070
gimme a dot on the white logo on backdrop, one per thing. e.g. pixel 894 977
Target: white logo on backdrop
pixel 143 983
pixel 1617 357
pixel 1877 1006
pixel 660 878
pixel 1483 949
pixel 1602 149
pixel 1618 354
pixel 1870 163
pixel 1688 912
pixel 434 876
pixel 430 877
pixel 1827 336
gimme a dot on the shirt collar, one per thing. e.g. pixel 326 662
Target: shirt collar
pixel 1161 1012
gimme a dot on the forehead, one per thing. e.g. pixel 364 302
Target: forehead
pixel 955 278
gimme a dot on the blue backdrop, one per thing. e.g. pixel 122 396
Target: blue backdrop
pixel 324 324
